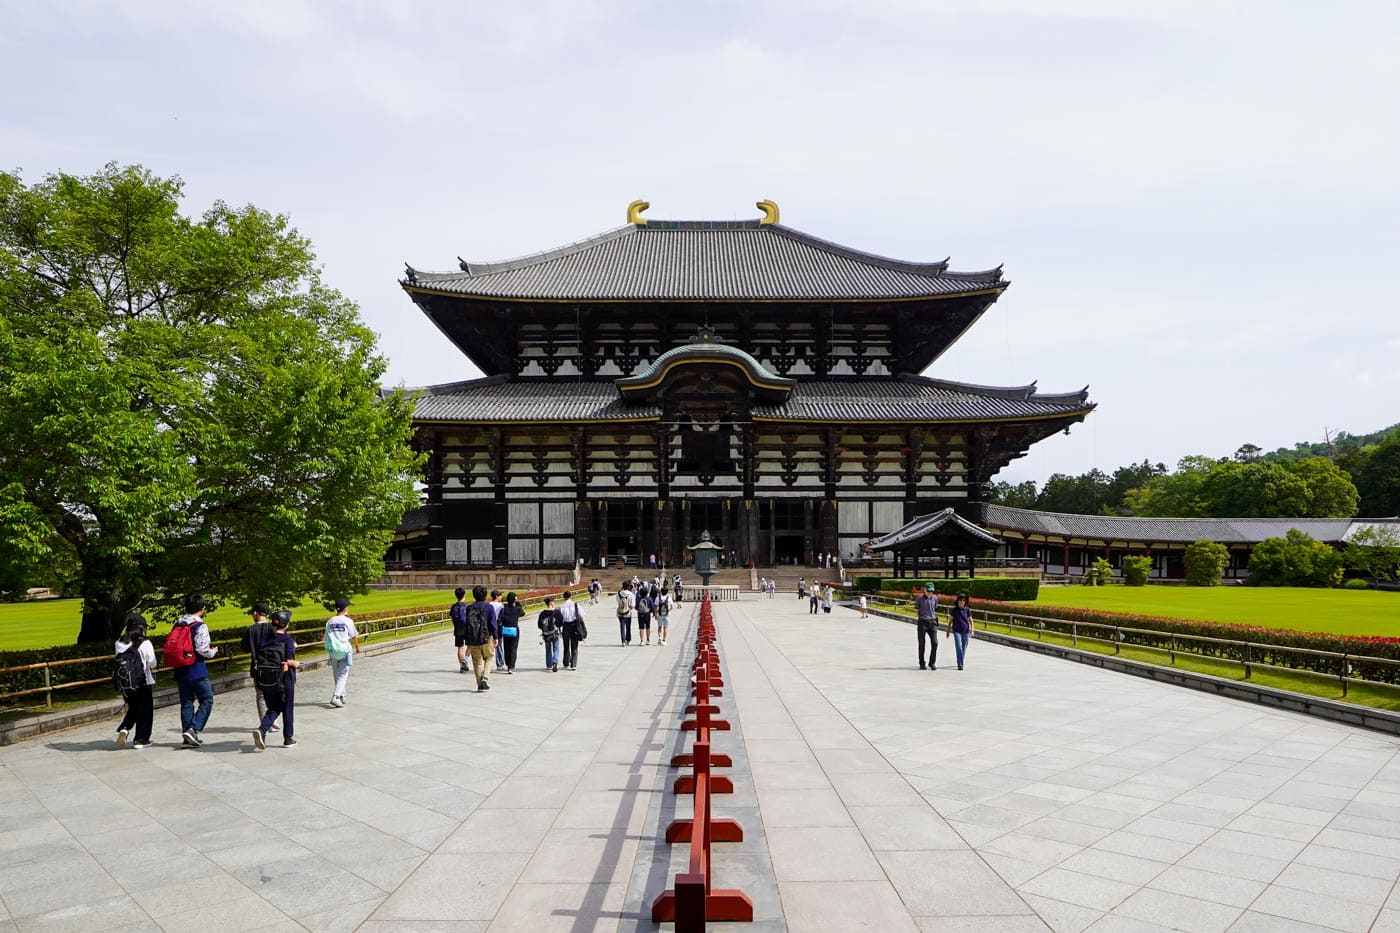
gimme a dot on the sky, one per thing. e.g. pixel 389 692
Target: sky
pixel 1197 203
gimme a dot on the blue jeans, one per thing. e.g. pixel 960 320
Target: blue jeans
pixel 551 652
pixel 190 690
pixel 960 645
pixel 500 653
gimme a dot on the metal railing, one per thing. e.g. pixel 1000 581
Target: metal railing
pixel 1346 667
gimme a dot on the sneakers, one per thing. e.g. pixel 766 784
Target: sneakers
pixel 510 670
pixel 923 667
pixel 288 743
pixel 573 667
pixel 140 744
pixel 260 739
pixel 191 738
pixel 122 736
pixel 554 669
pixel 337 702
pixel 273 728
pixel 464 667
pixel 482 685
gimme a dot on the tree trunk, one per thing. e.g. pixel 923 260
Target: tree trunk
pixel 106 604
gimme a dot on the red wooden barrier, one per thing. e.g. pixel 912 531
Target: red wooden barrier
pixel 694 900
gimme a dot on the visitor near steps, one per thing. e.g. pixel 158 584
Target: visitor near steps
pixel 342 641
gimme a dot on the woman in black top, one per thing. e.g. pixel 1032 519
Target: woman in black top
pixel 511 614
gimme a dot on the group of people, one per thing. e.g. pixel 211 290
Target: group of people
pixel 768 587
pixel 926 620
pixel 487 630
pixel 273 665
pixel 820 597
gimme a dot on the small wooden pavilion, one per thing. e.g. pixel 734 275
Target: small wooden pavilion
pixel 939 537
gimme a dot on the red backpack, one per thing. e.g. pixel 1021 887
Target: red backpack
pixel 179 646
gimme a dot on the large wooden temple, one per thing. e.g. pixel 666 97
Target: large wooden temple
pixel 669 377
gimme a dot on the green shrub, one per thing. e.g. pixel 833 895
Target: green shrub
pixel 1101 572
pixel 1356 584
pixel 999 588
pixel 1294 560
pixel 1264 643
pixel 1136 570
pixel 1205 562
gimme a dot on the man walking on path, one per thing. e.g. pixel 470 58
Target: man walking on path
pixel 342 641
pixel 496 631
pixel 458 613
pixel 191 676
pixel 925 608
pixel 481 644
pixel 282 696
pixel 253 638
pixel 625 602
pixel 571 620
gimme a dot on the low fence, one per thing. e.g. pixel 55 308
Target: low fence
pixel 694 900
pixel 717 591
pixel 1345 667
pixel 56 678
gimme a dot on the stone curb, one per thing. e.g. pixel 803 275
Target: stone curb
pixel 1352 714
pixel 44 723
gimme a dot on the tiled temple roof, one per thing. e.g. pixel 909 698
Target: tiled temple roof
pixel 742 260
pixel 1165 530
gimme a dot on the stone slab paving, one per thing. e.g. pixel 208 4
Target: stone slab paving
pixel 1023 793
pixel 1092 800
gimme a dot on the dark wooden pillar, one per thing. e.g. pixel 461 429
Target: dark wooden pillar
pixel 1066 560
pixel 500 512
pixel 808 533
pixel 583 532
pixel 431 442
pixel 666 531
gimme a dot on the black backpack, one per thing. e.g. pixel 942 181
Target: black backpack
pixel 267 664
pixel 478 630
pixel 129 673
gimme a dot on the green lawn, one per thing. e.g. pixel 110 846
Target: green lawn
pixel 1342 612
pixel 42 623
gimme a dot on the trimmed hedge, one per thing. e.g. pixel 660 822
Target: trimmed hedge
pixel 1011 589
pixel 1264 642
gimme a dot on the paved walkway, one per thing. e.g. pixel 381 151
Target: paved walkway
pixel 1024 793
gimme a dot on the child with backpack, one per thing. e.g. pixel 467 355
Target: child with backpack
pixel 458 612
pixel 644 607
pixel 625 602
pixel 276 665
pixel 550 632
pixel 663 615
pixel 135 677
pixel 186 649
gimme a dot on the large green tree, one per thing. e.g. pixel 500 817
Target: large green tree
pixel 184 406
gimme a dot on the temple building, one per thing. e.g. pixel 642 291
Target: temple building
pixel 669 377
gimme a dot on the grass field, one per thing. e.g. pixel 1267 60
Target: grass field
pixel 1342 612
pixel 48 622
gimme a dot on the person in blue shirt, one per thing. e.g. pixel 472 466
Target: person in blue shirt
pixel 960 626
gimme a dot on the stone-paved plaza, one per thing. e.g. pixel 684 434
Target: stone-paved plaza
pixel 1023 793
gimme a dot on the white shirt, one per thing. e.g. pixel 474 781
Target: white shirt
pixel 147 655
pixel 569 611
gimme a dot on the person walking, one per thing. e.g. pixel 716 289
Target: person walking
pixel 481 646
pixel 679 596
pixel 186 649
pixel 277 681
pixel 511 614
pixel 864 606
pixel 572 621
pixel 595 589
pixel 814 598
pixel 253 637
pixel 827 597
pixel 342 641
pixel 138 683
pixel 960 626
pixel 644 610
pixel 801 587
pixel 458 614
pixel 496 608
pixel 663 616
pixel 926 613
pixel 626 602
pixel 550 634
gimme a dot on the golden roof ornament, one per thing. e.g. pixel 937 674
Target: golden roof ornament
pixel 634 211
pixel 770 211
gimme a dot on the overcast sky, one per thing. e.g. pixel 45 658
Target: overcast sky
pixel 1196 202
